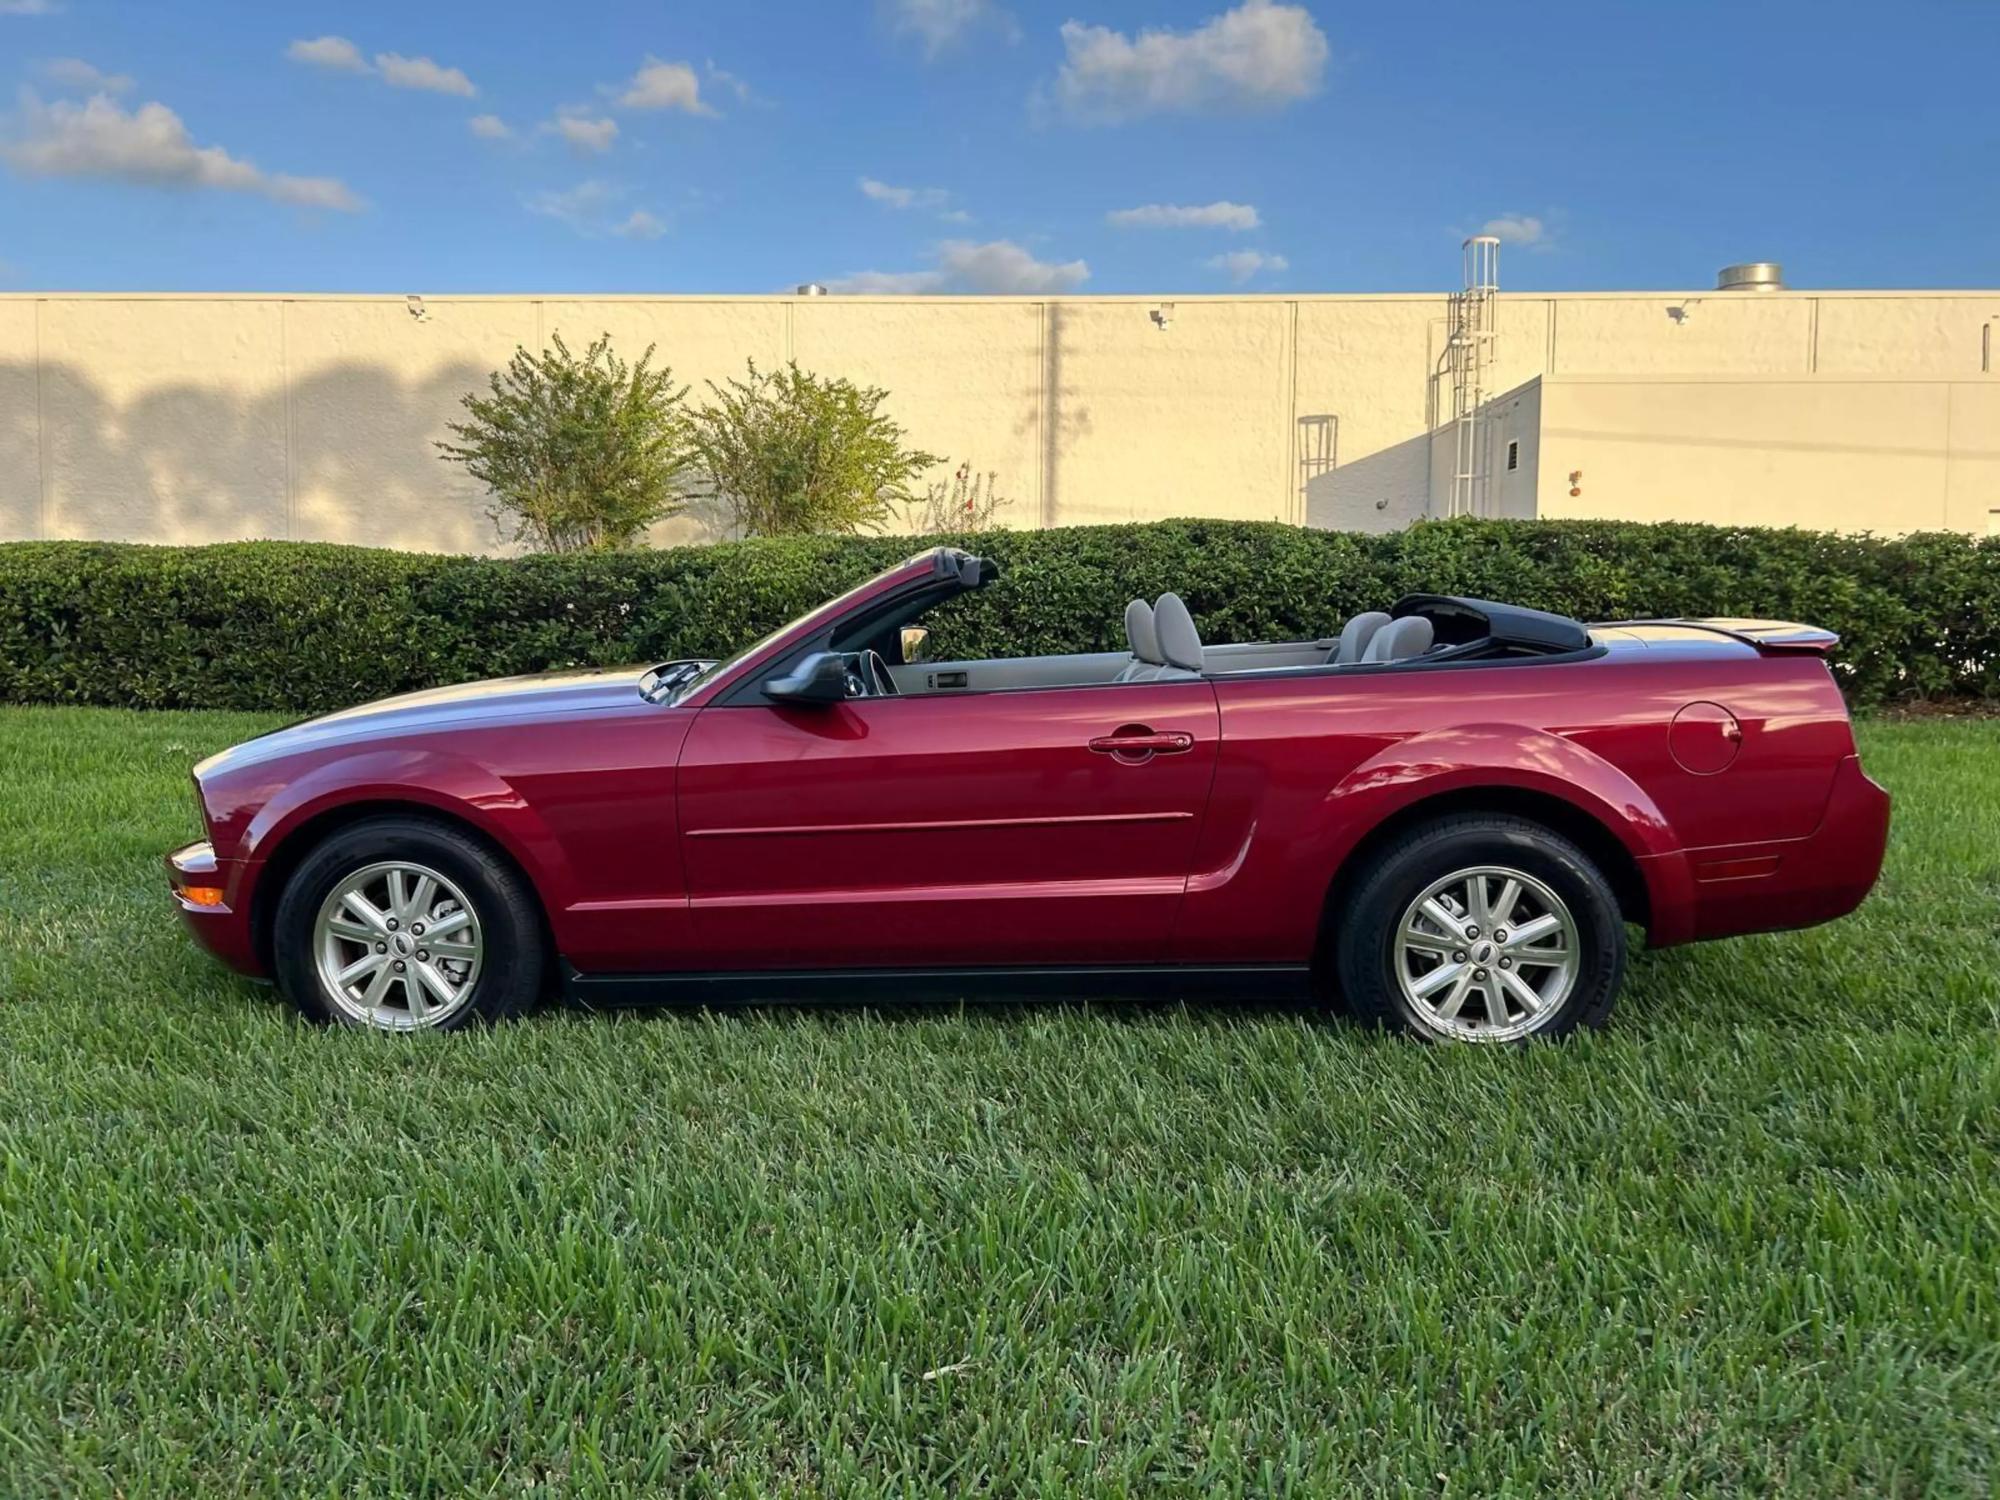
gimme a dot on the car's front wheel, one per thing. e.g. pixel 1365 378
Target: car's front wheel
pixel 1481 928
pixel 406 924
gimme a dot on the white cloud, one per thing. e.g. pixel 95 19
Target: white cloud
pixel 723 78
pixel 75 73
pixel 903 197
pixel 1519 229
pixel 335 52
pixel 490 128
pixel 1241 265
pixel 940 25
pixel 664 85
pixel 969 266
pixel 28 7
pixel 1257 56
pixel 640 225
pixel 1220 215
pixel 422 73
pixel 591 209
pixel 150 146
pixel 586 135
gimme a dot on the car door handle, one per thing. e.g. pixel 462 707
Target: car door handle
pixel 1143 744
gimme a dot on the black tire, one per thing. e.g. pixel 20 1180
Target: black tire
pixel 1367 950
pixel 513 958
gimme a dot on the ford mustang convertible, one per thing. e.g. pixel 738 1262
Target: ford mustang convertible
pixel 1446 818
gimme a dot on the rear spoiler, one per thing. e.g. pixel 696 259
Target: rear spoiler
pixel 1770 637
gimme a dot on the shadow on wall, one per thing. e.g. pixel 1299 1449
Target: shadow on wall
pixel 1381 491
pixel 345 455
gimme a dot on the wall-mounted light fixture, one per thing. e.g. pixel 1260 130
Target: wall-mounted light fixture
pixel 1163 316
pixel 1576 482
pixel 415 304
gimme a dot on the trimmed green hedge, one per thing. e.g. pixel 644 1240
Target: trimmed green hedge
pixel 312 626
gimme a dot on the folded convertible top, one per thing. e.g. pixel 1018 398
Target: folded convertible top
pixel 1457 621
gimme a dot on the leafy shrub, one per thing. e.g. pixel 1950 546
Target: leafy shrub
pixel 311 626
pixel 787 453
pixel 967 504
pixel 579 454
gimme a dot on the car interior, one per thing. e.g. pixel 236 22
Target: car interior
pixel 1163 644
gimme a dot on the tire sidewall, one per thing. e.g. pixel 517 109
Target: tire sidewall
pixel 1368 950
pixel 511 965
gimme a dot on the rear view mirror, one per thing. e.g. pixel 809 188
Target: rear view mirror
pixel 916 639
pixel 820 679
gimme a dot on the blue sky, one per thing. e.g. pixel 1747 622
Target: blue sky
pixel 991 145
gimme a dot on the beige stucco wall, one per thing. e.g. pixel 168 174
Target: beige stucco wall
pixel 1846 454
pixel 183 418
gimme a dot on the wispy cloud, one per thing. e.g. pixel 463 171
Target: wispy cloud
pixel 149 146
pixel 1260 55
pixel 28 7
pixel 334 52
pixel 75 73
pixel 640 225
pixel 1524 230
pixel 995 266
pixel 664 85
pixel 1220 215
pixel 929 199
pixel 339 55
pixel 939 26
pixel 1241 265
pixel 421 73
pixel 490 128
pixel 587 135
pixel 592 208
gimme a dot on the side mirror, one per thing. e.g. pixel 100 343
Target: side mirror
pixel 820 679
pixel 915 639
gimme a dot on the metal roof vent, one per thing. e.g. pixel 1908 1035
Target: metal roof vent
pixel 811 289
pixel 1751 276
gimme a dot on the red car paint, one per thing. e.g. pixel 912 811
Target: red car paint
pixel 985 829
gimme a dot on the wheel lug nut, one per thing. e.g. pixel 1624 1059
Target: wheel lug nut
pixel 1476 973
pixel 1472 932
pixel 1499 934
pixel 423 955
pixel 417 928
pixel 1458 956
pixel 399 966
pixel 392 924
pixel 381 947
pixel 1506 963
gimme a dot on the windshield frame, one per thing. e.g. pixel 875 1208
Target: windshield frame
pixel 924 566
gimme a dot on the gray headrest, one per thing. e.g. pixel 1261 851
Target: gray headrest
pixel 1180 642
pixel 1409 636
pixel 1141 634
pixel 1357 633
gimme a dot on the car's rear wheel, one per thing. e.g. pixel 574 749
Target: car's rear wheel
pixel 407 924
pixel 1481 928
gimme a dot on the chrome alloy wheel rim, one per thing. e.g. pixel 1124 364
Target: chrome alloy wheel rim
pixel 397 946
pixel 1486 954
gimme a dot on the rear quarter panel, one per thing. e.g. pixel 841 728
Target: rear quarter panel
pixel 1310 764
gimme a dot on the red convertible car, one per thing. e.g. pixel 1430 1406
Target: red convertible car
pixel 1447 816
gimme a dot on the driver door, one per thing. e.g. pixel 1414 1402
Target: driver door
pixel 1039 826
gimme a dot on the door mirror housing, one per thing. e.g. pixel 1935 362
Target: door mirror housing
pixel 915 643
pixel 820 679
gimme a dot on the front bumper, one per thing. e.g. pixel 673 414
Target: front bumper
pixel 213 897
pixel 1729 889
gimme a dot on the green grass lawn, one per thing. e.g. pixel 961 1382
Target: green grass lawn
pixel 1748 1238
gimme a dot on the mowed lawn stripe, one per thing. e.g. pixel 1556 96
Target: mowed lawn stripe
pixel 1748 1238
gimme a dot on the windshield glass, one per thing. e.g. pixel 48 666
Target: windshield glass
pixel 826 611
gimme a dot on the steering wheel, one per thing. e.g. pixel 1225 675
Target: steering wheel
pixel 880 683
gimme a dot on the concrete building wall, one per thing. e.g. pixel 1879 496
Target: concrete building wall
pixel 186 418
pixel 1848 455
